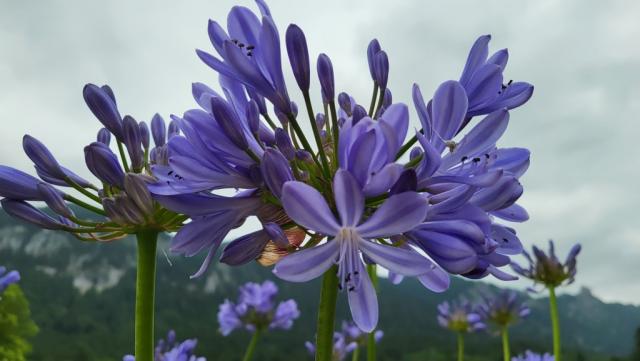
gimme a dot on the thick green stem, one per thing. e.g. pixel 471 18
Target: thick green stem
pixel 145 294
pixel 555 323
pixel 371 338
pixel 506 351
pixel 460 346
pixel 356 354
pixel 252 346
pixel 327 315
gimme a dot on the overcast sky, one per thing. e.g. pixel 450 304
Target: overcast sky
pixel 581 124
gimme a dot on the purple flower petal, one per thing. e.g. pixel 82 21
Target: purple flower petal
pixel 363 302
pixel 308 208
pixel 385 221
pixel 437 280
pixel 477 56
pixel 513 213
pixel 307 264
pixel 17 184
pixel 245 249
pixel 348 197
pixel 28 213
pixel 449 109
pixel 398 260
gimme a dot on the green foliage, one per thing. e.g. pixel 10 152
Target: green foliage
pixel 16 325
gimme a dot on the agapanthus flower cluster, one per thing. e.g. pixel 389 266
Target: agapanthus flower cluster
pixel 171 350
pixel 547 269
pixel 7 278
pixel 503 309
pixel 120 201
pixel 347 340
pixel 344 195
pixel 256 310
pixel 532 356
pixel 460 316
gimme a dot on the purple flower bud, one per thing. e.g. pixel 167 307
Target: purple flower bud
pixel 41 157
pixel 387 99
pixel 110 208
pixel 104 136
pixel 53 198
pixel 133 142
pixel 282 117
pixel 372 50
pixel 173 129
pixel 129 210
pixel 253 117
pixel 19 185
pixel 259 99
pixel 320 120
pixel 104 164
pixel 298 56
pixel 415 152
pixel 277 234
pixel 275 170
pixel 28 213
pixel 325 74
pixel 103 106
pixel 144 135
pixel 107 89
pixel 158 130
pixel 226 117
pixel 345 102
pixel 283 142
pixel 136 189
pixel 359 112
pixel 381 69
pixel 294 109
pixel 304 156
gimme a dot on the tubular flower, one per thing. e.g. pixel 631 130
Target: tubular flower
pixel 122 197
pixel 547 269
pixel 256 310
pixel 532 356
pixel 503 309
pixel 7 278
pixel 171 350
pixel 332 198
pixel 460 317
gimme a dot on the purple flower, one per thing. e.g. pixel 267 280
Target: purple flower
pixel 532 356
pixel 170 350
pixel 7 278
pixel 351 237
pixel 460 316
pixel 547 269
pixel 503 309
pixel 256 310
pixel 352 333
pixel 341 347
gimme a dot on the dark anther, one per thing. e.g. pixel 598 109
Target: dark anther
pixel 476 160
pixel 503 87
pixel 235 41
pixel 348 278
pixel 486 155
pixel 340 287
pixel 510 82
pixel 249 54
pixel 352 288
pixel 170 172
pixel 241 45
pixel 356 273
pixel 250 47
pixel 464 159
pixel 506 240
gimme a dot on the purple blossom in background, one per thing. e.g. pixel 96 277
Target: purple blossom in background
pixel 7 278
pixel 503 309
pixel 336 202
pixel 256 310
pixel 547 269
pixel 532 356
pixel 460 316
pixel 170 350
pixel 347 340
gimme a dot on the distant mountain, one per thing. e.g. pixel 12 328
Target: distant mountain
pixel 82 299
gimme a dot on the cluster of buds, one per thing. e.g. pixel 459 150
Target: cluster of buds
pixel 547 269
pixel 503 309
pixel 121 199
pixel 460 316
pixel 171 350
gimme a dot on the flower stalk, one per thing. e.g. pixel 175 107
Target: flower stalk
pixel 248 355
pixel 555 323
pixel 460 346
pixel 145 295
pixel 506 352
pixel 371 338
pixel 327 315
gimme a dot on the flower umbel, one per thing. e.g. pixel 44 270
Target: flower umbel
pixel 503 309
pixel 547 269
pixel 460 316
pixel 170 350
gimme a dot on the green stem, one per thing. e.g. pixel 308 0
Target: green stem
pixel 371 338
pixel 305 144
pixel 79 188
pixel 335 130
pixel 555 323
pixel 145 294
pixel 327 315
pixel 252 346
pixel 380 101
pixel 373 99
pixel 506 352
pixel 406 147
pixel 356 354
pixel 316 134
pixel 84 205
pixel 125 164
pixel 460 346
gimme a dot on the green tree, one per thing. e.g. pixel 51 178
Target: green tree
pixel 16 325
pixel 635 356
